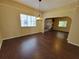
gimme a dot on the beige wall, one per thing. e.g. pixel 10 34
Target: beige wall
pixel 56 22
pixel 10 20
pixel 0 30
pixel 0 33
pixel 74 32
pixel 73 13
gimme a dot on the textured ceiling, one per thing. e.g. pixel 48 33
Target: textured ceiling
pixel 46 5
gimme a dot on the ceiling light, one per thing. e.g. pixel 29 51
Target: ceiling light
pixel 39 16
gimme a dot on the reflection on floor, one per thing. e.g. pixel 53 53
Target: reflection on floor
pixel 49 45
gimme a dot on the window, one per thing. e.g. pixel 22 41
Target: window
pixel 27 21
pixel 62 24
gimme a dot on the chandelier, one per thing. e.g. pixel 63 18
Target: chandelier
pixel 39 16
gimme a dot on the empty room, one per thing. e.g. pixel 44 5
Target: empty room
pixel 39 29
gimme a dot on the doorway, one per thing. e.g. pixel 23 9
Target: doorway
pixel 58 27
pixel 58 23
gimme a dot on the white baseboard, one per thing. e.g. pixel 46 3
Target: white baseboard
pixel 12 37
pixel 18 36
pixel 73 43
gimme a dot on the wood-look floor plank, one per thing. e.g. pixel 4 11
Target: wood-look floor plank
pixel 49 45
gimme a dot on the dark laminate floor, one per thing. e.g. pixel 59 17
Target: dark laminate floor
pixel 50 45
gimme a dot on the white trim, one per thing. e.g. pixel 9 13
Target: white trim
pixel 19 36
pixel 73 43
pixel 10 37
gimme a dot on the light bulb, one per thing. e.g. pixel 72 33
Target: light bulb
pixel 38 18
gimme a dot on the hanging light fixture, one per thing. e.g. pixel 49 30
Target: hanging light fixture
pixel 39 16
